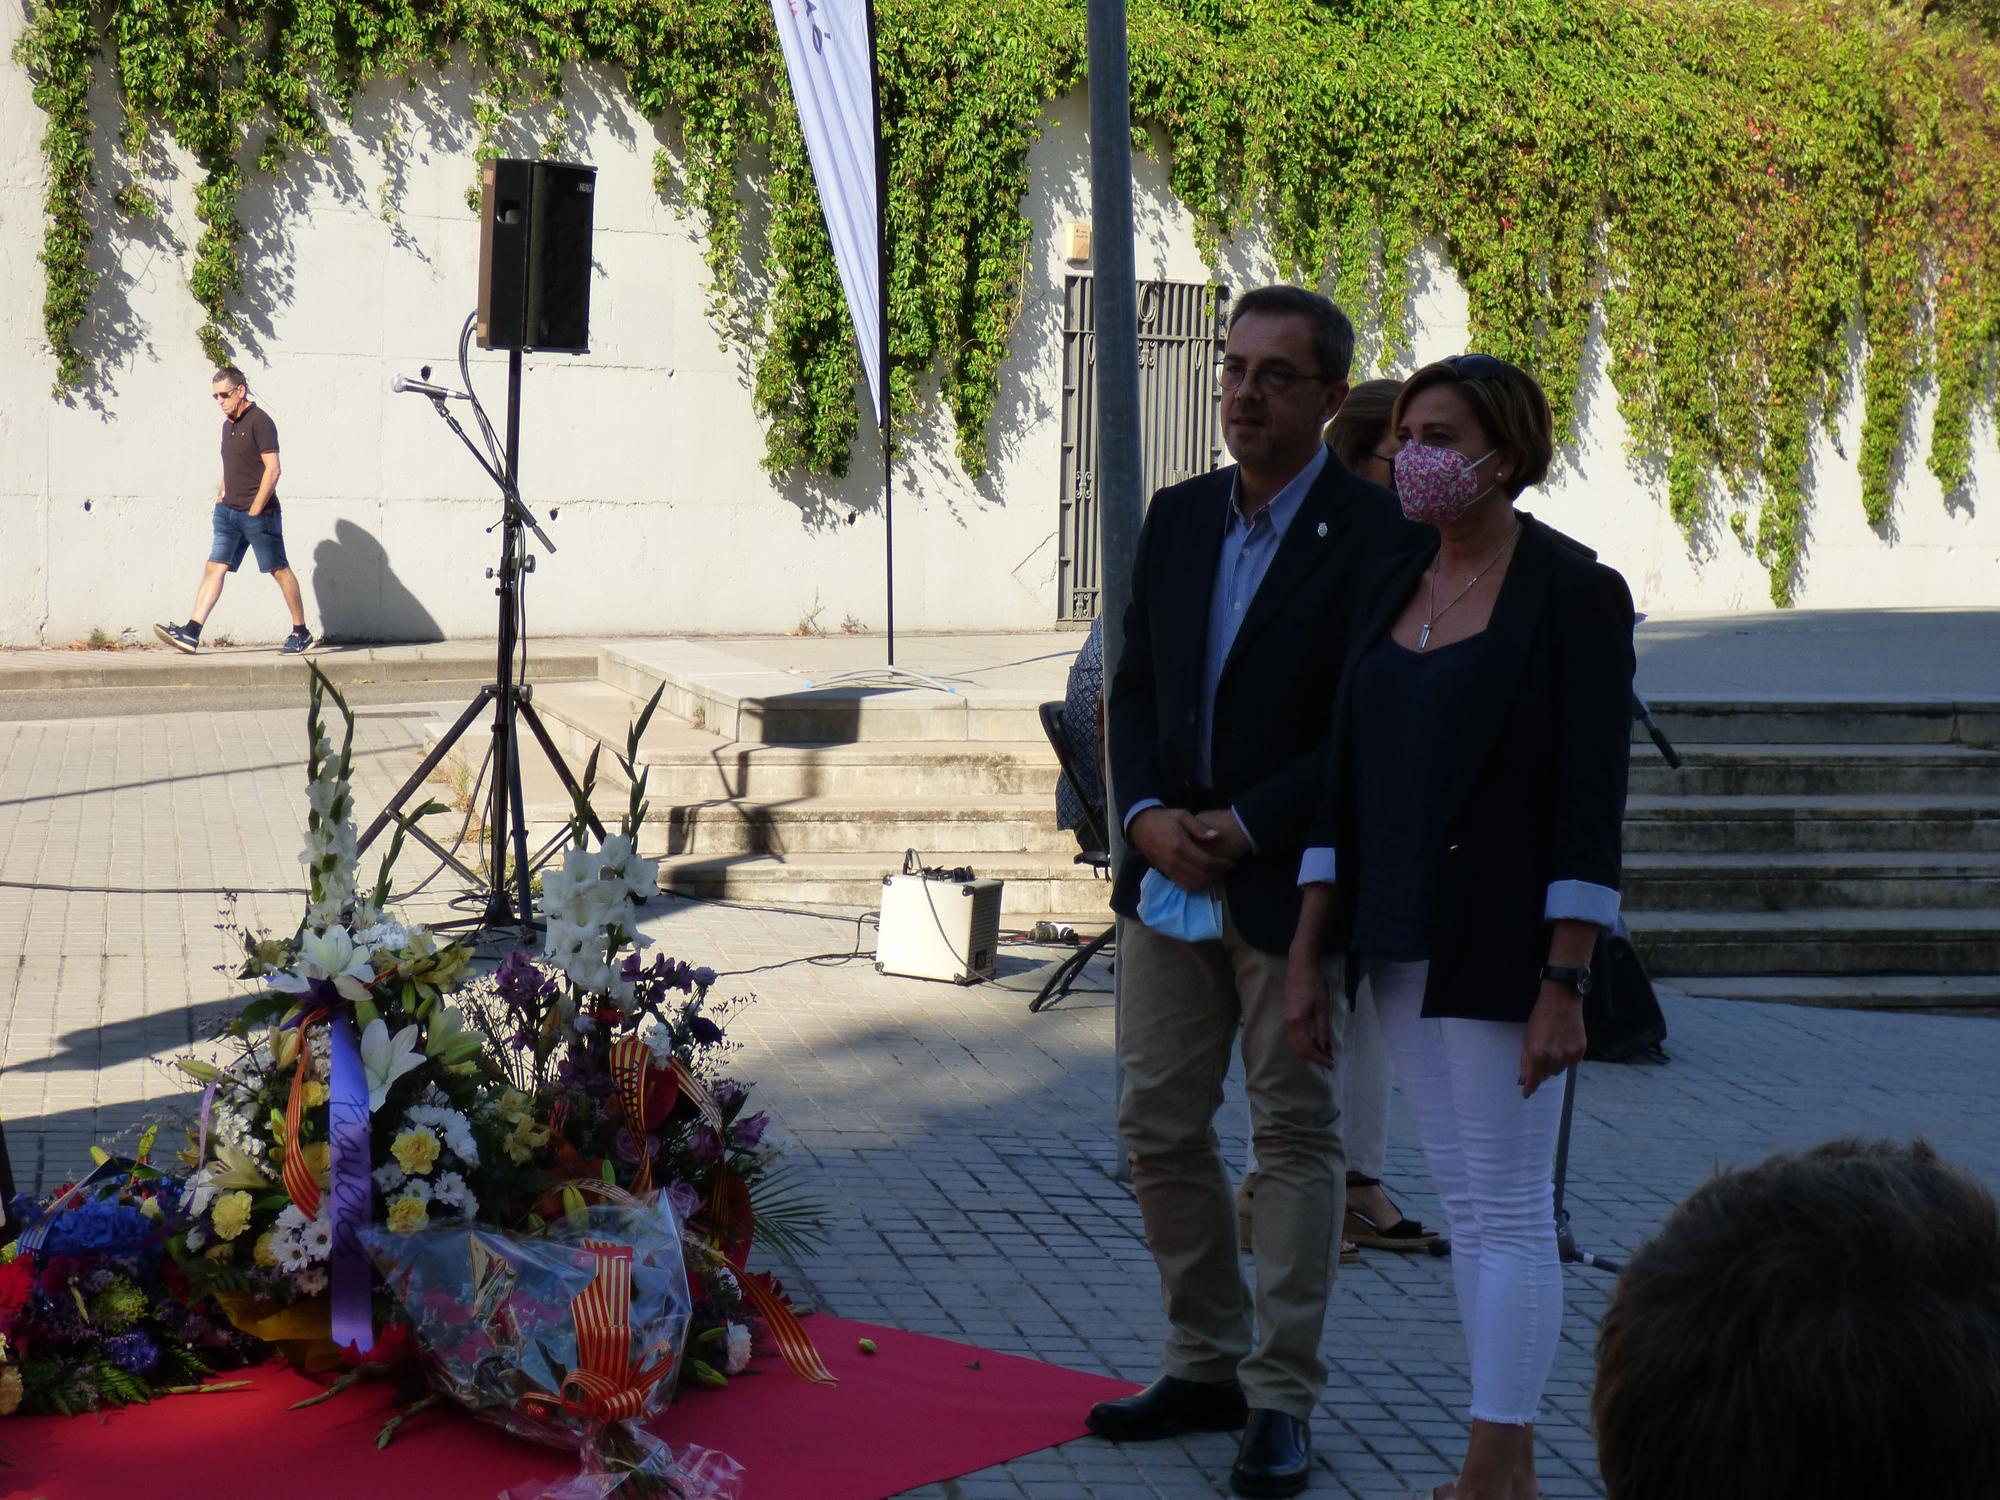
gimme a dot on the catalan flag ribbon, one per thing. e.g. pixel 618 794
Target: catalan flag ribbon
pixel 608 1384
pixel 630 1059
pixel 794 1345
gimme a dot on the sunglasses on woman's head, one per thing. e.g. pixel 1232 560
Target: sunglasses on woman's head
pixel 1478 366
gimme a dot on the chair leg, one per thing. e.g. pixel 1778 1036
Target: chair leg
pixel 1068 971
pixel 6 1173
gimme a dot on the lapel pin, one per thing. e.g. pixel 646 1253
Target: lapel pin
pixel 1322 528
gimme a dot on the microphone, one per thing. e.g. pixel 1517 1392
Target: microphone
pixel 402 385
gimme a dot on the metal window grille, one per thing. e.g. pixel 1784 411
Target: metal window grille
pixel 1180 421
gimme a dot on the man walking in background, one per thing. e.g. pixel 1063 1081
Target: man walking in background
pixel 246 515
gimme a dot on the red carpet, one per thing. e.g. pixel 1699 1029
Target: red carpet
pixel 919 1410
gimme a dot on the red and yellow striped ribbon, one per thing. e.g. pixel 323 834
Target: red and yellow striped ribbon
pixel 695 1089
pixel 630 1057
pixel 298 1178
pixel 606 1384
pixel 794 1345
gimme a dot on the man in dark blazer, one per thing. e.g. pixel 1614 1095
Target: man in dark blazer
pixel 1243 599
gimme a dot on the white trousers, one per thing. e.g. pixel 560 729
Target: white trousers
pixel 1362 1092
pixel 1492 1155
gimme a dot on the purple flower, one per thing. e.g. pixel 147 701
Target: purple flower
pixel 625 1146
pixel 704 1147
pixel 748 1131
pixel 729 1095
pixel 683 1198
pixel 703 1032
pixel 132 1351
pixel 703 978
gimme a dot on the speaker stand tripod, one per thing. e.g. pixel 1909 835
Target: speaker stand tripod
pixel 510 698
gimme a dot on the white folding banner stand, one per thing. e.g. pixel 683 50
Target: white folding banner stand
pixel 829 50
pixel 827 54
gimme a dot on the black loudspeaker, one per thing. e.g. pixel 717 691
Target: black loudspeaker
pixel 534 255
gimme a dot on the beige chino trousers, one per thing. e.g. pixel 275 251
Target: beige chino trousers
pixel 1179 1009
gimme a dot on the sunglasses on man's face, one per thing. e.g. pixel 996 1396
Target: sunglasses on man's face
pixel 225 395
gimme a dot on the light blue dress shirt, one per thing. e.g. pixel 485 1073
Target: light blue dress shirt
pixel 1248 548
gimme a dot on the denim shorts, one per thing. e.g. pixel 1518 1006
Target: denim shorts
pixel 237 532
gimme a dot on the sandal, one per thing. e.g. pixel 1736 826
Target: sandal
pixel 1350 1252
pixel 1404 1234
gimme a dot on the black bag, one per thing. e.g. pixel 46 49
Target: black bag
pixel 1622 1015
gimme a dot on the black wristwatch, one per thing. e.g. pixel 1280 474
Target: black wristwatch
pixel 1577 979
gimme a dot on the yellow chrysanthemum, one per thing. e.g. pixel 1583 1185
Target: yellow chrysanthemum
pixel 11 1391
pixel 315 1093
pixel 222 1255
pixel 231 1215
pixel 416 1151
pixel 261 1252
pixel 408 1215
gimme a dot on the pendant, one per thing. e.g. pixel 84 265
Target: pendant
pixel 1424 636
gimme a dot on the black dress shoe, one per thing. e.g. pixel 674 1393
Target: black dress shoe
pixel 1275 1458
pixel 1167 1407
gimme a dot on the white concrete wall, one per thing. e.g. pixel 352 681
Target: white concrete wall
pixel 646 449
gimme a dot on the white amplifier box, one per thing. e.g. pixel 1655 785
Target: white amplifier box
pixel 938 927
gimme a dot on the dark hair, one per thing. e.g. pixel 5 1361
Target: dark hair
pixel 1357 428
pixel 1332 334
pixel 1508 403
pixel 1824 1325
pixel 228 375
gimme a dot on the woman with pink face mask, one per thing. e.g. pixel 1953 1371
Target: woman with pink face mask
pixel 1467 858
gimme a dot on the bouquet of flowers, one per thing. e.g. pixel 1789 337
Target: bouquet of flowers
pixel 90 1314
pixel 623 1062
pixel 569 1336
pixel 354 1092
pixel 394 1159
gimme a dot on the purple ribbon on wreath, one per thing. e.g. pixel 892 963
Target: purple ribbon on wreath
pixel 348 1163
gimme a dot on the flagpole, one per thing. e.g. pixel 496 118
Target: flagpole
pixel 882 322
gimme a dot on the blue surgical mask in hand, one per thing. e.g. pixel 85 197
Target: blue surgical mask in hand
pixel 1172 912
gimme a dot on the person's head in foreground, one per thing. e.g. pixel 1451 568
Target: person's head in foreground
pixel 1823 1326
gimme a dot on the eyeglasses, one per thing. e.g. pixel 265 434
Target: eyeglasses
pixel 1478 366
pixel 1265 380
pixel 225 395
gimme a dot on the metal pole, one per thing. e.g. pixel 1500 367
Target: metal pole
pixel 497 907
pixel 882 330
pixel 1121 504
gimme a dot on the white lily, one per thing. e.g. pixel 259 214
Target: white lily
pixel 386 1058
pixel 331 954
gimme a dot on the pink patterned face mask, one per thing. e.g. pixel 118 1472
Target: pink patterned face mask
pixel 1437 485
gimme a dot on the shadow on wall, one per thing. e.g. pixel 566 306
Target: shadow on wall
pixel 359 597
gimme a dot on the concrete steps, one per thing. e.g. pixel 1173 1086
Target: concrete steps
pixel 1825 941
pixel 708 688
pixel 1810 850
pixel 1041 886
pixel 1792 881
pixel 1950 993
pixel 1764 720
pixel 1812 824
pixel 1817 770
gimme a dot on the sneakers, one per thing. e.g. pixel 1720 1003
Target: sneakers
pixel 297 642
pixel 179 637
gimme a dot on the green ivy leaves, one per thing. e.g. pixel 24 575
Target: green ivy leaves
pixel 1733 189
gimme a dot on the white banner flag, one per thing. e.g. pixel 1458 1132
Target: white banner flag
pixel 826 52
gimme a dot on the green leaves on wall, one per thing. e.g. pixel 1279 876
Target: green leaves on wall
pixel 1729 191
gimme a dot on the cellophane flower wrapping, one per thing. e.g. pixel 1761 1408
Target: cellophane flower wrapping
pixel 524 1331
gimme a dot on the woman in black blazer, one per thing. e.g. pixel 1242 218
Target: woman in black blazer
pixel 1467 858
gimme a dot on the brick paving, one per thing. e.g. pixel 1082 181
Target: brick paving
pixel 965 1144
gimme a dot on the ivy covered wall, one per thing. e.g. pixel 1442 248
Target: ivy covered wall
pixel 1736 192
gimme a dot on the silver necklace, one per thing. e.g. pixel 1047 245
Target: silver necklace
pixel 1435 614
